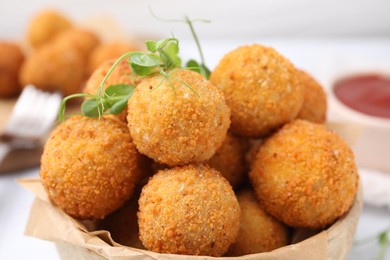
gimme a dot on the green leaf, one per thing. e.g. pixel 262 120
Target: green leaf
pixel 120 105
pixel 144 64
pixel 200 68
pixel 91 108
pixel 145 60
pixel 151 45
pixel 154 46
pixel 119 90
pixel 169 55
pixel 193 65
pixel 162 43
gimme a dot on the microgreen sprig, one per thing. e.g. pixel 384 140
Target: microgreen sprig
pixel 163 56
pixel 192 64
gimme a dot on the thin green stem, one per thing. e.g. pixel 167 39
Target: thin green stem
pixel 168 78
pixel 161 82
pixel 61 113
pixel 189 22
pixel 185 84
pixel 101 86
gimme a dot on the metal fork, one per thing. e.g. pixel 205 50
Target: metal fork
pixel 31 118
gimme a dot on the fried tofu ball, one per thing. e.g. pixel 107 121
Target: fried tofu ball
pixel 45 26
pixel 82 40
pixel 305 175
pixel 188 210
pixel 260 88
pixel 89 167
pixel 229 159
pixel 122 74
pixel 10 62
pixel 178 121
pixel 54 68
pixel 314 101
pixel 259 232
pixel 108 51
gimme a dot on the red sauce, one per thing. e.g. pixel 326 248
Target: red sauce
pixel 369 94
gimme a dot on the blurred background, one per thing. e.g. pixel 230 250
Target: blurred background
pixel 325 37
pixel 230 18
pixel 352 22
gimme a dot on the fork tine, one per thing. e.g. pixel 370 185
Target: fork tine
pixel 31 114
pixel 14 121
pixel 34 113
pixel 48 112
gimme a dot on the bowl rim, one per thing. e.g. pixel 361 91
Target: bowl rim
pixel 338 236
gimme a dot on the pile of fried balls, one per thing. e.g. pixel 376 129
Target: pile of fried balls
pixel 230 166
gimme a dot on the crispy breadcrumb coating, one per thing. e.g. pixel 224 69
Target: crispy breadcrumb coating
pixel 10 62
pixel 175 125
pixel 305 175
pixel 229 159
pixel 314 101
pixel 54 68
pixel 260 88
pixel 188 210
pixel 89 167
pixel 259 232
pixel 45 26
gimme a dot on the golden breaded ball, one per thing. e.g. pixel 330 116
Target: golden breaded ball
pixel 260 88
pixel 54 68
pixel 108 51
pixel 229 159
pixel 45 26
pixel 89 166
pixel 11 59
pixel 188 210
pixel 305 175
pixel 259 232
pixel 122 74
pixel 314 101
pixel 175 125
pixel 82 40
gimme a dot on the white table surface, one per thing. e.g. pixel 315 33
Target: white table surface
pixel 319 57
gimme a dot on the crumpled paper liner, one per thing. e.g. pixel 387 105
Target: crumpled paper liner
pixel 74 241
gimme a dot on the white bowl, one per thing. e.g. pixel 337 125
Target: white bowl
pixel 372 143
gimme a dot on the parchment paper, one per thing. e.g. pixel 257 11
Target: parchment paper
pixel 74 241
